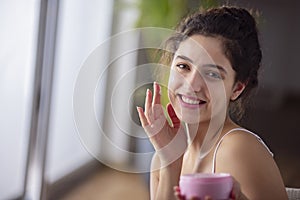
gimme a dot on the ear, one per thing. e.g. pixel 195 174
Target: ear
pixel 238 88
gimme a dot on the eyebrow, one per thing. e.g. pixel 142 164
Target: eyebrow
pixel 184 58
pixel 205 65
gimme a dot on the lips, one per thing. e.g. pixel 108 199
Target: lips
pixel 191 101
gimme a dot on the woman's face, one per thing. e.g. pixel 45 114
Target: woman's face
pixel 201 81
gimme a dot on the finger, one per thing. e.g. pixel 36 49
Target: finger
pixel 176 188
pixel 148 106
pixel 236 189
pixel 207 198
pixel 177 193
pixel 142 117
pixel 156 126
pixel 157 93
pixel 175 120
pixel 157 109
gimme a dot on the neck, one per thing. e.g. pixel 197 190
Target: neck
pixel 196 134
pixel 204 135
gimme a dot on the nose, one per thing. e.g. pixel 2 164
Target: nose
pixel 196 81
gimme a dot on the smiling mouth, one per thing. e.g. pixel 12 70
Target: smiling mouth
pixel 191 100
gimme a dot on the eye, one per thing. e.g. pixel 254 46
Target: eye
pixel 214 75
pixel 183 66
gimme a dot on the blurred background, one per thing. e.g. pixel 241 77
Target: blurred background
pixel 43 47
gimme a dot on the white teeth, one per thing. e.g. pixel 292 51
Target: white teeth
pixel 189 101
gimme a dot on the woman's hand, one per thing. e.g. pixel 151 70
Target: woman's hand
pixel 179 196
pixel 169 141
pixel 236 193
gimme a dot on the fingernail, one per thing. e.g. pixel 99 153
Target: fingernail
pixel 139 109
pixel 159 90
pixel 157 87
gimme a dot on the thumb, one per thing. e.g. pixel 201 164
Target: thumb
pixel 175 120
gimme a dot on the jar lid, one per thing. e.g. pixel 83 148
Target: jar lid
pixel 206 177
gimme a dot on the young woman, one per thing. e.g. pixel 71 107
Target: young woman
pixel 215 57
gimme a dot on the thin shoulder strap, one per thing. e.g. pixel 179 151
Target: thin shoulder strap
pixel 232 130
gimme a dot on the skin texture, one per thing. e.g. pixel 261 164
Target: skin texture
pixel 193 79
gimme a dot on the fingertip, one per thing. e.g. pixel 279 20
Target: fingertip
pixel 148 101
pixel 176 188
pixel 140 112
pixel 142 116
pixel 207 198
pixel 156 93
pixel 139 109
pixel 157 87
pixel 148 92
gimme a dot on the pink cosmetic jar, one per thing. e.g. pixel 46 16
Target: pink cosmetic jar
pixel 217 185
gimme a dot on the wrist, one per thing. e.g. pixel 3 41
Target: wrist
pixel 171 164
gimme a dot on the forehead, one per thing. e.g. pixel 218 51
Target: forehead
pixel 203 49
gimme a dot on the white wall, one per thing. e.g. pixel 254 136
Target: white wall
pixel 18 22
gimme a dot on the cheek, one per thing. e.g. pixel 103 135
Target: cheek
pixel 218 96
pixel 175 81
pixel 174 84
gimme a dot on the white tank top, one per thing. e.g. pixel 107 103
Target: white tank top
pixel 232 130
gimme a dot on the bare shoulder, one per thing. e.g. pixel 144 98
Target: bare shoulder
pixel 243 143
pixel 241 151
pixel 246 158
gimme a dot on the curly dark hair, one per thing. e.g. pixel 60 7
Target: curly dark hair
pixel 237 30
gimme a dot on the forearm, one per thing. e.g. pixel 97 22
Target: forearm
pixel 168 178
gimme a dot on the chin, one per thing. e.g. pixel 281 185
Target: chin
pixel 193 119
pixel 189 116
pixel 190 120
